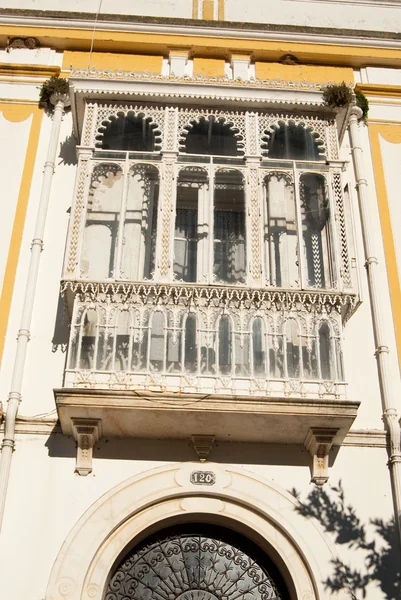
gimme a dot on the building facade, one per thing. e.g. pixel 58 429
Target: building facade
pixel 200 306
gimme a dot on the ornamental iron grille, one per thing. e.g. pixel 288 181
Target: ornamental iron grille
pixel 187 563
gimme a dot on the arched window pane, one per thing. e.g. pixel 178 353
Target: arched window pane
pixel 276 356
pixel 281 232
pixel 225 346
pixel 121 360
pixel 316 234
pixel 157 342
pixel 190 350
pixel 229 227
pixel 139 360
pixel 128 132
pixel 293 142
pixel 209 136
pixel 325 351
pixel 174 347
pixel 102 221
pixel 309 358
pixel 292 349
pixel 88 344
pixel 258 348
pixel 139 235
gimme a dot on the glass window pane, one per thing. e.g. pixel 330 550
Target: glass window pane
pixel 229 228
pixel 186 234
pixel 128 132
pixel 309 358
pixel 139 234
pixel 121 360
pixel 292 349
pixel 157 342
pixel 174 347
pixel 102 221
pixel 293 142
pixel 316 234
pixel 190 351
pixel 209 136
pixel 276 356
pixel 225 346
pixel 258 348
pixel 325 351
pixel 88 344
pixel 281 232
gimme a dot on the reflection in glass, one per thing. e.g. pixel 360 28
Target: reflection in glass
pixel 293 142
pixel 315 214
pixel 229 227
pixel 281 231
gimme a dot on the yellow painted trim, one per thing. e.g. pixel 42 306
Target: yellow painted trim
pixel 391 134
pixel 32 70
pixel 113 61
pixel 209 67
pixel 221 10
pixel 15 112
pixel 195 9
pixel 208 10
pixel 311 73
pixel 126 42
pixel 379 89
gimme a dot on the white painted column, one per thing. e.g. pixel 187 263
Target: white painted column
pixel 388 395
pixel 14 398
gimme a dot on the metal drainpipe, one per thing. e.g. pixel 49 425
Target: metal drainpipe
pixel 389 401
pixel 60 101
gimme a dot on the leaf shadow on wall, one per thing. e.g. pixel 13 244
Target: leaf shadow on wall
pixel 61 331
pixel 68 151
pixel 381 555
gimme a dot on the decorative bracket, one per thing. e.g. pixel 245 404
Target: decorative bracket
pixel 86 432
pixel 203 445
pixel 318 443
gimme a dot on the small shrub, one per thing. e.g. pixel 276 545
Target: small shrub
pixel 54 85
pixel 337 95
pixel 363 104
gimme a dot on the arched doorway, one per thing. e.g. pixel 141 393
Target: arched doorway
pixel 196 561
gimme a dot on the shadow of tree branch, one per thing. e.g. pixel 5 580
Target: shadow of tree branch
pixel 381 555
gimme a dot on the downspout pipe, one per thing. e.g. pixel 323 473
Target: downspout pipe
pixel 60 101
pixel 388 396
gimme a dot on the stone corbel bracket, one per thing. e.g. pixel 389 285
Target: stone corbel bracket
pixel 318 443
pixel 202 445
pixel 86 432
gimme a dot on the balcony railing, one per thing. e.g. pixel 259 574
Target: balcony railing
pixel 209 340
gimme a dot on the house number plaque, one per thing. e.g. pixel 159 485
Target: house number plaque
pixel 203 478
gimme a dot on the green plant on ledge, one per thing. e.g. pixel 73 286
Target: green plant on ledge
pixel 338 95
pixel 363 104
pixel 54 85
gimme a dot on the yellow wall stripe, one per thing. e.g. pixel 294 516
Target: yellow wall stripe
pixel 391 133
pixel 18 112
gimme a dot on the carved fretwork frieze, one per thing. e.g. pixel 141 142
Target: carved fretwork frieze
pixel 222 297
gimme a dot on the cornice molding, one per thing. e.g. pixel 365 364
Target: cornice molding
pixel 200 28
pixel 379 89
pixel 17 69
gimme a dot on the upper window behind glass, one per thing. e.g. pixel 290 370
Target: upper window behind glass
pixel 130 133
pixel 293 142
pixel 209 136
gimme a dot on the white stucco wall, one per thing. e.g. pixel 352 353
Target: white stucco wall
pixel 46 498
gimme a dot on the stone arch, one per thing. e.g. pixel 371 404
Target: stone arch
pixel 165 496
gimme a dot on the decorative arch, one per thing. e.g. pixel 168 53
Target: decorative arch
pixel 152 117
pixel 153 500
pixel 234 121
pixel 314 126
